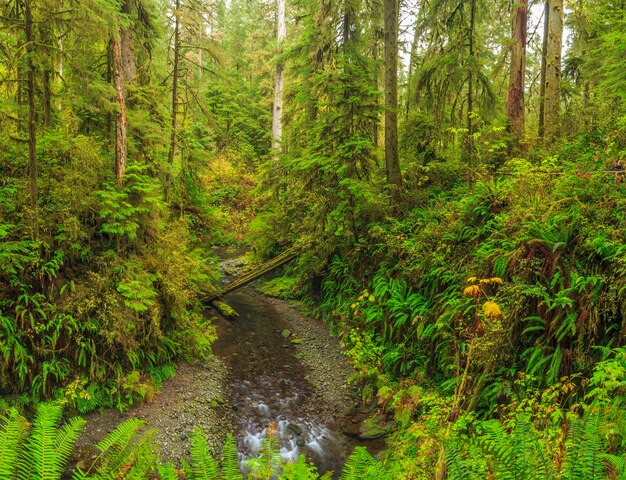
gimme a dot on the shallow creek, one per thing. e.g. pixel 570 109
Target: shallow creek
pixel 268 384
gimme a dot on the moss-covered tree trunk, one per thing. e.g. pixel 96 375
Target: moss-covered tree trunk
pixel 515 103
pixel 174 118
pixel 122 71
pixel 32 116
pixel 279 81
pixel 553 70
pixel 392 161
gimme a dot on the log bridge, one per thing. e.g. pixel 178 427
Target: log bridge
pixel 255 273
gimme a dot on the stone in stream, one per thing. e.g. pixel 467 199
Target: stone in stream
pixel 295 429
pixel 374 427
pixel 285 333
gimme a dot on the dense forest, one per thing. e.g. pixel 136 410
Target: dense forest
pixel 447 178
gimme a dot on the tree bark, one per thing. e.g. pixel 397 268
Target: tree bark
pixel 122 71
pixel 412 62
pixel 120 115
pixel 277 111
pixel 174 124
pixel 32 119
pixel 515 103
pixel 553 70
pixel 392 161
pixel 469 140
pixel 542 86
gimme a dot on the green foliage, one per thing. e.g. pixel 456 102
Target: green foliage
pixel 230 460
pixel 281 287
pixel 204 466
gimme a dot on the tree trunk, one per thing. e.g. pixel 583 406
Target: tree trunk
pixel 553 70
pixel 32 125
pixel 174 124
pixel 412 61
pixel 392 161
pixel 469 140
pixel 277 112
pixel 544 55
pixel 120 115
pixel 515 104
pixel 122 71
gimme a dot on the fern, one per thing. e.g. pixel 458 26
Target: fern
pixel 12 434
pixel 48 448
pixel 203 465
pixel 299 470
pixel 230 461
pixel 167 472
pixel 516 455
pixel 358 466
pixel 123 451
pixel 584 445
pixel 457 467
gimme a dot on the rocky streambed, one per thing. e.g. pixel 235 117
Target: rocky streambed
pixel 272 366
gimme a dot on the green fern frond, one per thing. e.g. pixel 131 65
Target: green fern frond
pixel 203 465
pixel 48 449
pixel 583 448
pixel 167 472
pixel 299 470
pixel 12 433
pixel 123 451
pixel 230 461
pixel 358 465
pixel 456 466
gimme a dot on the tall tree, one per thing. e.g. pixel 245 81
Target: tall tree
pixel 174 118
pixel 542 80
pixel 392 161
pixel 553 69
pixel 469 135
pixel 515 103
pixel 277 111
pixel 122 72
pixel 32 115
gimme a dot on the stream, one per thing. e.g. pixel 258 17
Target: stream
pixel 269 385
pixel 286 371
pixel 273 368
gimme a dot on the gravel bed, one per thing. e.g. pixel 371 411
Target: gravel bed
pixel 193 397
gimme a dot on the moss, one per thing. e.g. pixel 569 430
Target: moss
pixel 225 309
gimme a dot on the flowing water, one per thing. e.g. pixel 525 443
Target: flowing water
pixel 269 387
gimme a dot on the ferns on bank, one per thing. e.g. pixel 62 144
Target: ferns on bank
pixel 124 450
pixel 12 433
pixel 230 460
pixel 203 465
pixel 48 447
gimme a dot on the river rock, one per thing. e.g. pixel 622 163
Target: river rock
pixel 285 333
pixel 374 427
pixel 295 429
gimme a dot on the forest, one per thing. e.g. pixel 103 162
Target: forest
pixel 438 185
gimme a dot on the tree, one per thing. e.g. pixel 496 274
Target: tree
pixel 174 117
pixel 553 70
pixel 392 161
pixel 122 71
pixel 32 115
pixel 515 103
pixel 277 110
